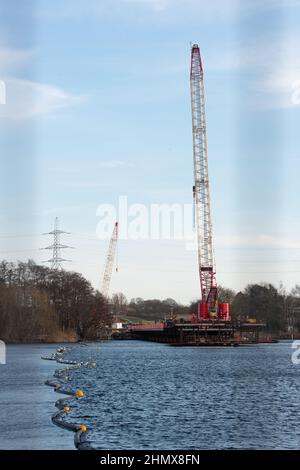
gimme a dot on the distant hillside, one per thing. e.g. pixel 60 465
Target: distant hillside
pixel 155 310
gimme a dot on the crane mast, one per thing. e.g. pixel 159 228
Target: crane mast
pixel 110 261
pixel 208 307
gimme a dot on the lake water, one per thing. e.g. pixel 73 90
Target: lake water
pixel 26 403
pixel 152 396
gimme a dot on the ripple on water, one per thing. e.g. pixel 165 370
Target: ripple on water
pixel 146 395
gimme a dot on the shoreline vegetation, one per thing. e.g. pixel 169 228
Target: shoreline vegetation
pixel 41 305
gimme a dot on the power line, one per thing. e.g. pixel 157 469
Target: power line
pixel 35 235
pixel 19 251
pixel 28 235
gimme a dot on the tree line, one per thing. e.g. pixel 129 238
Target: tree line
pixel 277 308
pixel 41 304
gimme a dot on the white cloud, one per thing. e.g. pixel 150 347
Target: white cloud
pixel 24 98
pixel 11 59
pixel 62 210
pixel 279 51
pixel 221 9
pixel 157 5
pixel 281 73
pixel 280 89
pixel 257 241
pixel 213 10
pixel 112 163
pixel 27 99
pixel 269 68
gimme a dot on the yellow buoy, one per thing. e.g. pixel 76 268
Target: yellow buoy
pixel 79 393
pixel 66 408
pixel 83 428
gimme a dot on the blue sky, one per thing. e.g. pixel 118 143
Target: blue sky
pixel 98 106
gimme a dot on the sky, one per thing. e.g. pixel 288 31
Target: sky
pixel 98 108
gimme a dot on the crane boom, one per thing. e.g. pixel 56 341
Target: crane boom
pixel 201 180
pixel 109 261
pixel 209 308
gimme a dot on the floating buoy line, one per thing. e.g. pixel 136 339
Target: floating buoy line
pixel 64 405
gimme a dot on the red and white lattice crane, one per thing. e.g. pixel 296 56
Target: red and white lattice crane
pixel 208 308
pixel 110 261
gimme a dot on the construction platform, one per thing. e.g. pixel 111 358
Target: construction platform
pixel 206 333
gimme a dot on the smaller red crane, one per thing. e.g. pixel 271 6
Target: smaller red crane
pixel 110 261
